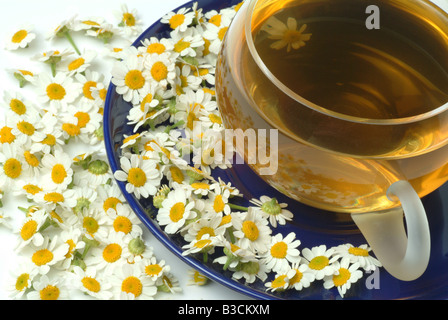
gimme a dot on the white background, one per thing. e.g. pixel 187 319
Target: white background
pixel 45 15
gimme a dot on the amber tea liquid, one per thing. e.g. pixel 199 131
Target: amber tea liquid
pixel 323 52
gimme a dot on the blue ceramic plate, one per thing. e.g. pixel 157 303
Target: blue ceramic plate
pixel 312 226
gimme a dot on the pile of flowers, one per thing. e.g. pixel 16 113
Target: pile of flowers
pixel 170 157
pixel 75 232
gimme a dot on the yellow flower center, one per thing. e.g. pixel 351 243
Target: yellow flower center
pixel 156 47
pixel 137 177
pixel 200 185
pixel 181 46
pixel 134 80
pixel 297 277
pixel 42 257
pixel 31 159
pixel 111 203
pixel 153 269
pixel 250 230
pixel 12 168
pixel 132 285
pixel 86 89
pixel 216 20
pixel 358 252
pixel 205 230
pixel 26 128
pixel 176 20
pixel 19 36
pixel 201 244
pixel 6 136
pixel 122 224
pixel 177 211
pixel 129 19
pixel 90 23
pixel 225 220
pixel 49 293
pixel 222 33
pixel 58 173
pixel 91 284
pixel 218 203
pixel 76 64
pixel 112 253
pixel 22 282
pixel 159 71
pixel 49 140
pixel 55 91
pixel 90 224
pixel 318 263
pixel 29 228
pixel 83 118
pixel 32 189
pixel 176 174
pixel 279 250
pixel 71 129
pixel 54 197
pixel 341 278
pixel 71 247
pixel 215 118
pixel 17 106
pixel 279 282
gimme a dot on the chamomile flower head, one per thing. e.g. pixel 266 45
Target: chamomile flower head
pixel 301 277
pixel 185 80
pixel 180 20
pixel 104 32
pixel 276 212
pixel 130 283
pixel 176 209
pixel 153 268
pixel 109 196
pixel 196 278
pixel 186 43
pixel 52 136
pixel 141 176
pixel 90 282
pixel 96 173
pixel 51 199
pixel 78 64
pixel 18 106
pixel 125 220
pixel 129 21
pixel 154 45
pixel 130 80
pixel 29 230
pixel 49 254
pixel 85 197
pixel 53 56
pixel 279 283
pixel 12 164
pixel 58 92
pixel 160 69
pixel 90 80
pixel 47 288
pixel 61 28
pixel 206 244
pixel 215 34
pixel 251 271
pixel 358 254
pixel 253 232
pixel 94 223
pixel 87 116
pixel 221 18
pixel 282 252
pixel 23 76
pixel 57 171
pixel 20 38
pixel 90 23
pixel 344 276
pixel 21 278
pixel 210 224
pixel 26 129
pixel 73 237
pixel 320 261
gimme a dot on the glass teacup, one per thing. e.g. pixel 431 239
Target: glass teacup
pixel 358 94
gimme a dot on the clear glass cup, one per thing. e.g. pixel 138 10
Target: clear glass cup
pixel 358 95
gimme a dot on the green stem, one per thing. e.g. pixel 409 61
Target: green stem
pixel 205 257
pixel 70 39
pixel 53 68
pixel 237 207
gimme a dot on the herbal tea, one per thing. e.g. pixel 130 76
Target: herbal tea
pixel 358 109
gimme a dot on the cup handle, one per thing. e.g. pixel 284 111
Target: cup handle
pixel 404 257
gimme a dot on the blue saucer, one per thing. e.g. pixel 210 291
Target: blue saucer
pixel 312 226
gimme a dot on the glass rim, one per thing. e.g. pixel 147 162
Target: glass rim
pixel 320 109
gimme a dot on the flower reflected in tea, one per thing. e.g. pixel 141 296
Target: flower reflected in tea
pixel 287 34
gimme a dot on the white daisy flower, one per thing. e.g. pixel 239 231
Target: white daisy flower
pixel 51 199
pixel 129 21
pixel 20 38
pixel 21 278
pixel 105 32
pixel 57 172
pixel 109 196
pixel 62 27
pixel 146 109
pixel 168 283
pixel 130 283
pixel 302 277
pixel 345 275
pixel 218 201
pixel 179 20
pixel 73 237
pixel 273 210
pixel 91 282
pixel 87 23
pixel 27 129
pixel 176 210
pixel 12 164
pixel 160 69
pixel 94 223
pixel 79 64
pixel 23 76
pixel 141 176
pixel 186 43
pixel 18 106
pixel 95 174
pixel 282 252
pixel 87 115
pixel 279 283
pixel 90 80
pixel 125 220
pixel 195 278
pixel 185 80
pixel 52 135
pixel 130 79
pixel 253 232
pixel 28 231
pixel 154 269
pixel 51 252
pixel 251 271
pixel 287 34
pixel 358 254
pixel 191 104
pixel 207 224
pixel 215 35
pixel 49 289
pixel 221 18
pixel 320 261
pixel 155 46
pixel 58 91
pixel 85 197
pixel 206 245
